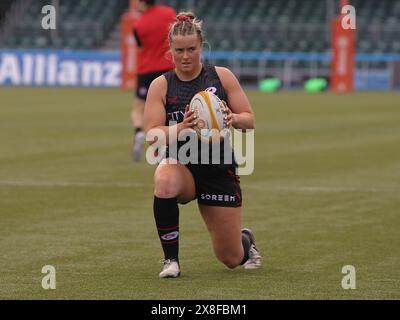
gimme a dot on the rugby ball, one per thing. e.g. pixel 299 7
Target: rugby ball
pixel 210 124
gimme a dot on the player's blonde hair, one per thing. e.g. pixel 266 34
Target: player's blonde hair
pixel 186 24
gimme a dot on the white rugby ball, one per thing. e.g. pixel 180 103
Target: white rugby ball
pixel 211 125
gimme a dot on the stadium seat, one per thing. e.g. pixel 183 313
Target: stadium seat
pixel 96 17
pixel 229 25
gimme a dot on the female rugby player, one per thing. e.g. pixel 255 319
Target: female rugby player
pixel 216 186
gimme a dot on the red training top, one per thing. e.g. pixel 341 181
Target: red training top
pixel 151 32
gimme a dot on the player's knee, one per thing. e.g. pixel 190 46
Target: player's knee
pixel 166 187
pixel 231 261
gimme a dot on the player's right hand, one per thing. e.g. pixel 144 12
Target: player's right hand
pixel 189 119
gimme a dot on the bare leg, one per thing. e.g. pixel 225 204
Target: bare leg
pixel 137 123
pixel 137 113
pixel 224 226
pixel 174 180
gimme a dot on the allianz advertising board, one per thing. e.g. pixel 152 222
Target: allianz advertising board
pixel 29 67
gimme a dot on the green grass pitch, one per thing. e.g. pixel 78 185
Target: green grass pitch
pixel 325 193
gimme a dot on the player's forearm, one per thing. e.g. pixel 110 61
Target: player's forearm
pixel 244 120
pixel 165 133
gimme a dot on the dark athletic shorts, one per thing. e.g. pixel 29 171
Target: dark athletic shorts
pixel 143 83
pixel 216 185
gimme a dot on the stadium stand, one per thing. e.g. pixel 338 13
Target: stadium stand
pixel 252 25
pixel 82 24
pixel 4 7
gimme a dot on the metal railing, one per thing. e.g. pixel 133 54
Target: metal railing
pixel 294 67
pixel 373 71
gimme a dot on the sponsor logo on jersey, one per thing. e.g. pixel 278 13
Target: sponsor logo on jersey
pixel 175 116
pixel 170 236
pixel 172 100
pixel 211 89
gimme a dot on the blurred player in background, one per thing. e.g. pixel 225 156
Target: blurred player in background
pixel 216 186
pixel 151 33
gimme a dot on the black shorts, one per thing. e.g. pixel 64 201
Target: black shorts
pixel 216 185
pixel 143 83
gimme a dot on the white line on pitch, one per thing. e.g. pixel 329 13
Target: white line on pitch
pixel 257 186
pixel 71 184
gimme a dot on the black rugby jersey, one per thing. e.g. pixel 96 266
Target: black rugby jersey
pixel 179 94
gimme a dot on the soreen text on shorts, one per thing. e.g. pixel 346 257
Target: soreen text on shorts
pixel 218 197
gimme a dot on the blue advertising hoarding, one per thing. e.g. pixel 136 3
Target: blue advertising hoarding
pixel 59 68
pixel 38 67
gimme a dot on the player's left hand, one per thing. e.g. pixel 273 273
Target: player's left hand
pixel 229 115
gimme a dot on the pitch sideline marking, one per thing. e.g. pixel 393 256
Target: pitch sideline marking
pixel 21 183
pixel 70 184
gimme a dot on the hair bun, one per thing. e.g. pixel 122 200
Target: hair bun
pixel 186 16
